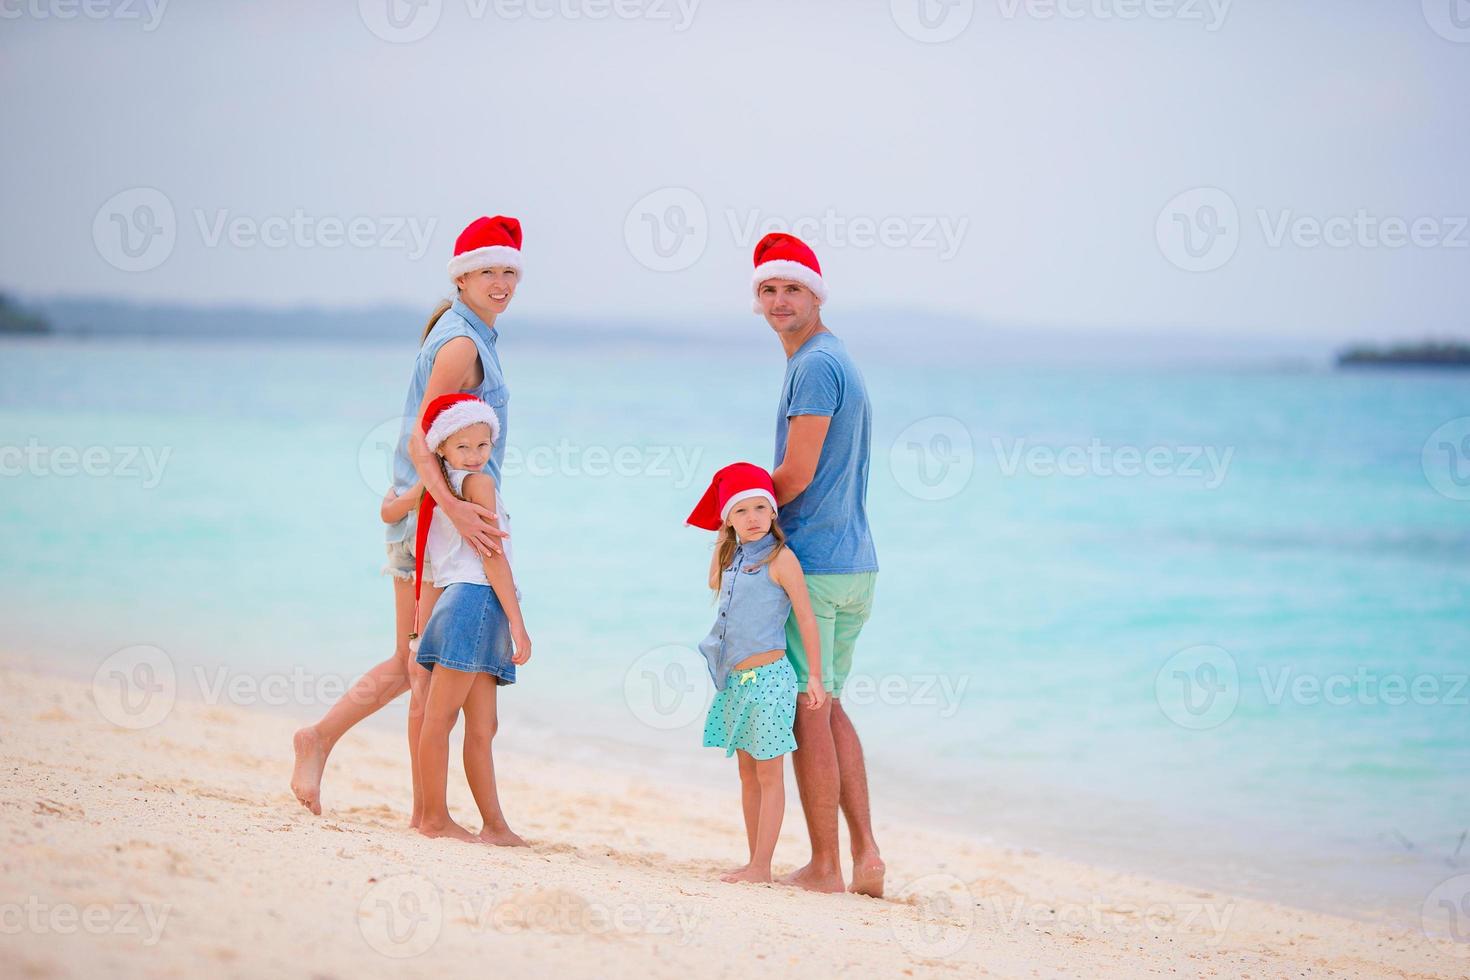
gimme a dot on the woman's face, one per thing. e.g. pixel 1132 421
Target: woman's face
pixel 489 289
pixel 752 518
pixel 468 449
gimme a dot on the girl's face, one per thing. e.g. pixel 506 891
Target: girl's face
pixel 489 289
pixel 751 518
pixel 467 449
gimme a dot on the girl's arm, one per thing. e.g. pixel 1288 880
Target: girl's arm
pixel 396 508
pixel 480 488
pixel 475 523
pixel 714 566
pixel 786 572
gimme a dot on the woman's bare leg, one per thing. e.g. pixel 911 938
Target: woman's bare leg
pixel 480 724
pixel 418 690
pixel 370 692
pixel 448 689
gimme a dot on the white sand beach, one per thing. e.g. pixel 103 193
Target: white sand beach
pixel 178 850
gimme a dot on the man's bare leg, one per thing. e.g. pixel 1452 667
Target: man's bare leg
pixel 817 779
pixel 867 866
pixel 380 685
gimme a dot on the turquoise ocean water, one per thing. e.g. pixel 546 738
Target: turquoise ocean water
pixel 1245 667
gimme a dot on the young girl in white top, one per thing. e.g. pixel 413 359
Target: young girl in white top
pixel 475 637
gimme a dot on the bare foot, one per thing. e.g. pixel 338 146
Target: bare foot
pixel 416 818
pixel 814 880
pixel 748 873
pixel 735 871
pixel 501 836
pixel 311 759
pixel 867 874
pixel 446 828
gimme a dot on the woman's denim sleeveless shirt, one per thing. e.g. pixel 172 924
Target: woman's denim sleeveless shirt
pixel 753 611
pixel 458 321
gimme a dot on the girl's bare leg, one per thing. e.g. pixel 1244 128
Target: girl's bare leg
pixel 480 724
pixel 418 690
pixel 372 691
pixel 447 692
pixel 750 804
pixel 770 777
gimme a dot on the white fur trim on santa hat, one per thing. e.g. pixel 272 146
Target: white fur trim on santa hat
pixel 746 495
pixel 483 258
pixel 787 269
pixel 461 415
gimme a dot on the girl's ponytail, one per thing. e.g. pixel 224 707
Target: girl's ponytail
pixel 439 311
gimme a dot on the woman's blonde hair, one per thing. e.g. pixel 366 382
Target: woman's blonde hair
pixel 728 542
pixel 439 311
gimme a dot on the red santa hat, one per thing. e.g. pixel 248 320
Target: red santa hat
pixel 783 256
pixel 486 242
pixel 445 416
pixel 734 483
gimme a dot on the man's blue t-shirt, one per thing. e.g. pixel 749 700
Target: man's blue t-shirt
pixel 827 524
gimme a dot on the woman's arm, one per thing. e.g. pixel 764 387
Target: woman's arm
pixel 786 572
pixel 396 508
pixel 480 526
pixel 479 488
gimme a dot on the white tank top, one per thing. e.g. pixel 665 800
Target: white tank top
pixel 449 558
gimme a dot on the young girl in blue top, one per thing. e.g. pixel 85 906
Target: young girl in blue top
pixel 760 584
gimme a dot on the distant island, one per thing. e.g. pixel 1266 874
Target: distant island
pixel 1430 353
pixel 14 319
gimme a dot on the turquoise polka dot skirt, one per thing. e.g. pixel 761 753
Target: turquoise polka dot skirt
pixel 755 712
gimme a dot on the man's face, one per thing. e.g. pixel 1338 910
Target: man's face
pixel 787 305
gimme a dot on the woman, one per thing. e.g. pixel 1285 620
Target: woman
pixel 457 353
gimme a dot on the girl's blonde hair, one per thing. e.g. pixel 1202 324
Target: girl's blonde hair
pixel 728 541
pixel 439 311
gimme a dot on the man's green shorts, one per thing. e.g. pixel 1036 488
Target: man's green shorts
pixel 842 604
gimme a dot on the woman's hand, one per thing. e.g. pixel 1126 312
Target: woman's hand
pixel 816 695
pixel 473 522
pixel 522 642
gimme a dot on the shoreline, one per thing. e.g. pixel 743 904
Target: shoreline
pixel 190 825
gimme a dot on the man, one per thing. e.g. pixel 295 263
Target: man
pixel 821 476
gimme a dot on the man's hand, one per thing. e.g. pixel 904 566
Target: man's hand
pixel 816 695
pixel 475 524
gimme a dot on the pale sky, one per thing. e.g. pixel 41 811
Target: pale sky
pixel 1026 170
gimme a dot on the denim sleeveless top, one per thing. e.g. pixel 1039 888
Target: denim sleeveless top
pixel 458 321
pixel 753 612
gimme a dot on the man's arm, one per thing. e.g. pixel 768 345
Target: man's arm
pixel 804 438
